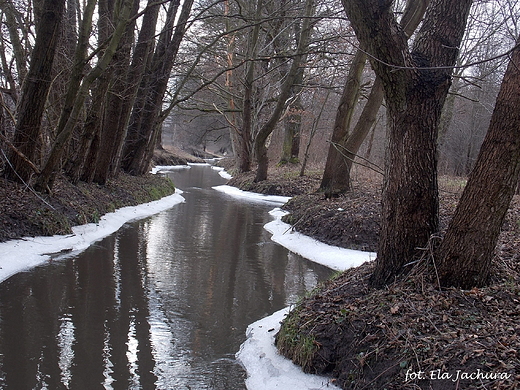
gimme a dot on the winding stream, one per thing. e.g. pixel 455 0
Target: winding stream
pixel 161 304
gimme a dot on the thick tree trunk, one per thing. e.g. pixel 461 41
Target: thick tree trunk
pixel 416 83
pixel 465 255
pixel 34 94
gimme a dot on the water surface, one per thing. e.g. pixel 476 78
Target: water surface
pixel 161 304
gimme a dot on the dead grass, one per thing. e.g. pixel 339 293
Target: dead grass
pixel 411 335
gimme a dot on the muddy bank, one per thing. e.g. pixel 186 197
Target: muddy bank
pixel 413 334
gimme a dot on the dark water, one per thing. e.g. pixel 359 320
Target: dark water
pixel 161 304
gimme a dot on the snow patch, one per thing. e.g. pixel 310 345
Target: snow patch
pixel 334 257
pixel 266 368
pixel 28 252
pixel 253 196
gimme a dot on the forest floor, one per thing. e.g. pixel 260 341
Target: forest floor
pixel 412 334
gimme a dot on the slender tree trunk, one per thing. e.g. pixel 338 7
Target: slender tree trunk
pixel 81 163
pixel 334 180
pixel 34 93
pixel 293 118
pixel 261 138
pixel 242 137
pixel 465 255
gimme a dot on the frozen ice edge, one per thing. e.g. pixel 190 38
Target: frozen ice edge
pixel 266 368
pixel 28 252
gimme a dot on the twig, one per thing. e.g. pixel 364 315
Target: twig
pixel 377 169
pixel 26 184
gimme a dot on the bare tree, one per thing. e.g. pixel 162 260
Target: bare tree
pixel 34 94
pixel 285 92
pixel 467 249
pixel 345 144
pixel 145 125
pixel 46 178
pixel 415 81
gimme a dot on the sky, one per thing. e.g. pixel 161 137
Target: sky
pixel 266 369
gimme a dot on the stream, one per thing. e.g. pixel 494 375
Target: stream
pixel 163 303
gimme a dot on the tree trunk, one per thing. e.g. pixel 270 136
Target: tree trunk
pixel 80 166
pixel 141 135
pixel 334 180
pixel 293 118
pixel 465 255
pixel 415 85
pixel 241 138
pixel 292 130
pixel 264 132
pixel 34 94
pixel 345 145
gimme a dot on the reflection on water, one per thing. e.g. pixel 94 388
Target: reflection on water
pixel 161 304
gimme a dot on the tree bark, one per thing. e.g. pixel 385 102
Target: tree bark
pixel 264 132
pixel 415 83
pixel 345 144
pixel 293 118
pixel 242 137
pixel 145 122
pixel 465 254
pixel 35 90
pixel 334 180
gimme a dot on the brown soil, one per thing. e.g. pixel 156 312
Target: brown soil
pixel 25 213
pixel 413 334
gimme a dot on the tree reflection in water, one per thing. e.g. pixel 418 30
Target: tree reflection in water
pixel 161 304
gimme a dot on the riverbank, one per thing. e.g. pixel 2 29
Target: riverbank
pixel 25 213
pixel 411 335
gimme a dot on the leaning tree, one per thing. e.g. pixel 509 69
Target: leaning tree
pixel 465 254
